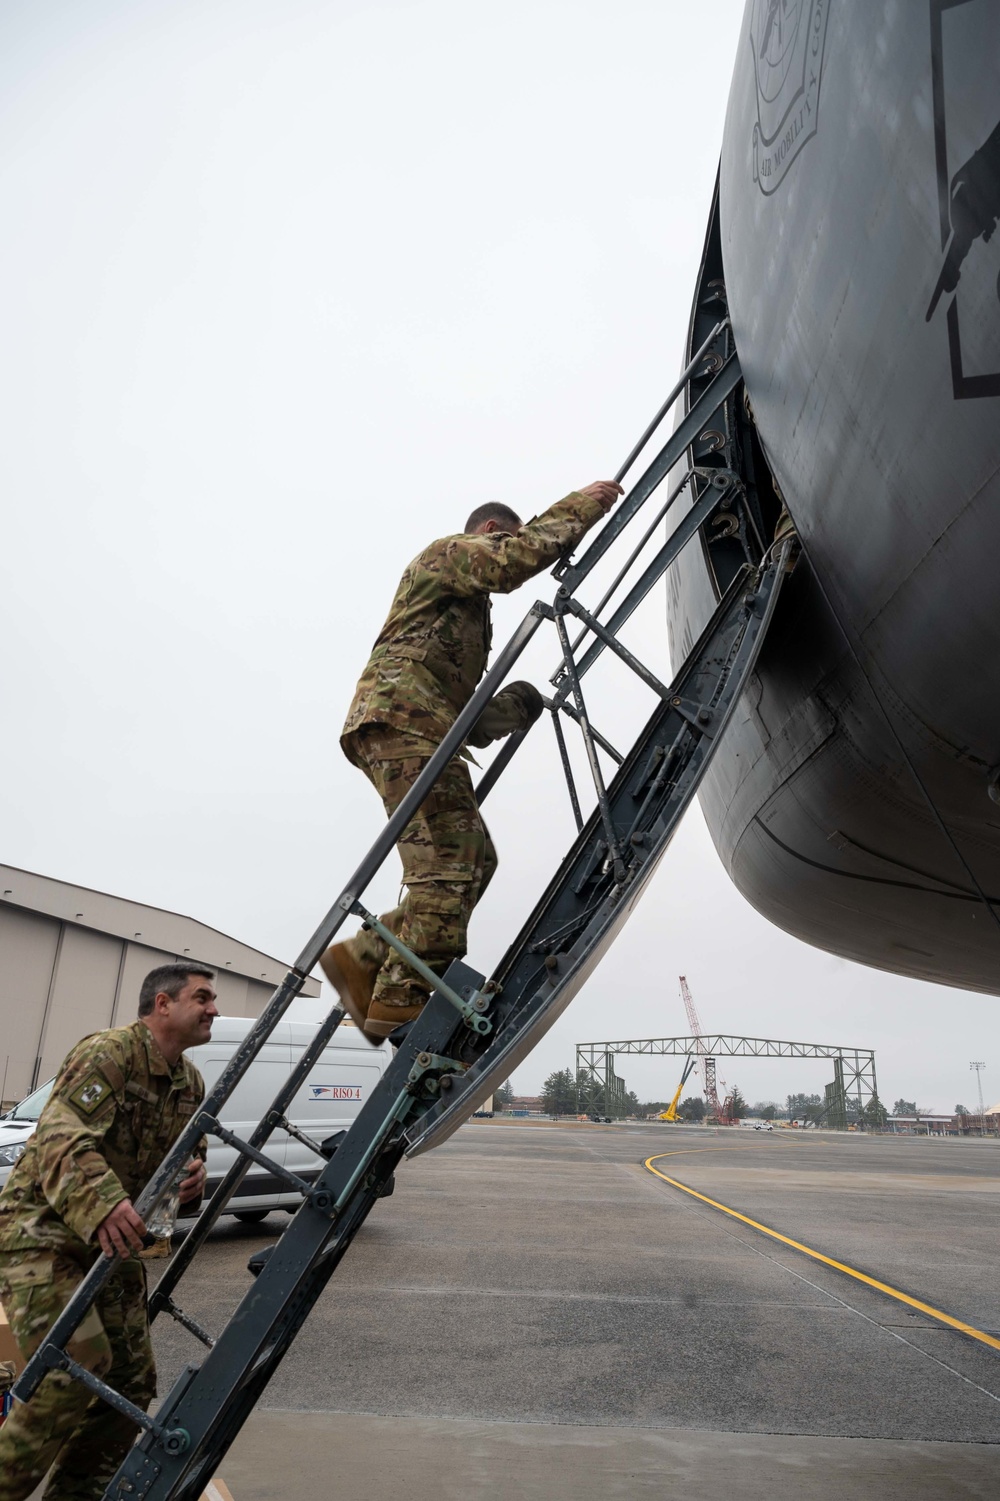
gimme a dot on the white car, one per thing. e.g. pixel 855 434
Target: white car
pixel 763 1126
pixel 334 1091
pixel 17 1126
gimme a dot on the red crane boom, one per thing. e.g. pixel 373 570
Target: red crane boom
pixel 701 1049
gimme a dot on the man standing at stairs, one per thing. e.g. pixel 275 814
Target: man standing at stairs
pixel 119 1102
pixel 425 665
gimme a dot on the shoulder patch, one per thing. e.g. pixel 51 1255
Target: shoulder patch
pixel 92 1094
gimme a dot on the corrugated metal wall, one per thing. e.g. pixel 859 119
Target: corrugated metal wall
pixel 58 982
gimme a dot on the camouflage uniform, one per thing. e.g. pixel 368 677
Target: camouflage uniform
pixel 425 666
pixel 115 1110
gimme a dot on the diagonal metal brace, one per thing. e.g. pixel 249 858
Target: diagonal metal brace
pixel 174 1440
pixel 574 607
pixel 689 474
pixel 292 1130
pixel 198 1330
pixel 720 488
pixel 588 741
pixel 471 1012
pixel 216 1128
pixel 567 767
pixel 567 708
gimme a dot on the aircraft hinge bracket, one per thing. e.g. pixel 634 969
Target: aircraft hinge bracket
pixel 700 716
pixel 432 1072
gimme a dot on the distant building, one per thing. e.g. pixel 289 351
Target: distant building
pixel 526 1102
pixel 72 961
pixel 940 1125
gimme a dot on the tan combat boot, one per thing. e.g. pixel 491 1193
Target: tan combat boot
pixel 383 1019
pixel 353 980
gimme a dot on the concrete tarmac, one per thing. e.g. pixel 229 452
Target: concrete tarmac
pixel 534 1309
pixel 448 1459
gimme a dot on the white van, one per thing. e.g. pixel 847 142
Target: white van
pixel 340 1082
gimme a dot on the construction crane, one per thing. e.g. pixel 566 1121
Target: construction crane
pixel 670 1114
pixel 701 1050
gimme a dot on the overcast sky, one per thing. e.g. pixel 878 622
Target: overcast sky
pixel 289 288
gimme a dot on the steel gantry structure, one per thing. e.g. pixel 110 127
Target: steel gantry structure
pixel 854 1068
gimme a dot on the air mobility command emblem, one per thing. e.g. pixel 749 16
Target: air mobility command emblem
pixel 787 39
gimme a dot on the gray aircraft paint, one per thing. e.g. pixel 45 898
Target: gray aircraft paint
pixel 877 406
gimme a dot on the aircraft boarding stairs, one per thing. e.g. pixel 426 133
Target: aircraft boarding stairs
pixel 473 1032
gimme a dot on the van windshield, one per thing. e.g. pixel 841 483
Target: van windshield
pixel 31 1108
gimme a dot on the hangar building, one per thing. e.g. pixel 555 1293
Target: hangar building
pixel 72 961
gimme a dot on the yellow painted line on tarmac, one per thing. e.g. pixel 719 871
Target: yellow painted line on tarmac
pixel 838 1266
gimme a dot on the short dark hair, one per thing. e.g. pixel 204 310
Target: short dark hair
pixel 170 978
pixel 493 511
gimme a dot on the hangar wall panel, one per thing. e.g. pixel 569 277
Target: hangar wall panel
pixel 72 961
pixel 232 993
pixel 139 960
pixel 27 954
pixel 259 992
pixel 82 995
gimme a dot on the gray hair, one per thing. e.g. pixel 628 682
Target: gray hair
pixel 170 978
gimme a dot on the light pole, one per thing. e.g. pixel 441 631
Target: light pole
pixel 979 1080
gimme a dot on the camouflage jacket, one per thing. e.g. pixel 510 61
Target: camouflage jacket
pixel 115 1110
pixel 432 650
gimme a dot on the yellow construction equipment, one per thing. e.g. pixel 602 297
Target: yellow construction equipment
pixel 670 1114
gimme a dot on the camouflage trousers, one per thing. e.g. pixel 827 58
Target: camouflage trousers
pixel 448 861
pixel 63 1425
